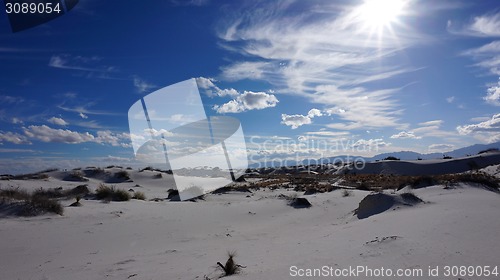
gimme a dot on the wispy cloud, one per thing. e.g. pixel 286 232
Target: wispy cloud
pixel 487 25
pixel 196 3
pixel 326 57
pixel 80 63
pixel 210 89
pixel 493 94
pixel 246 101
pixel 7 99
pixel 440 147
pixel 141 85
pixel 405 135
pixel 83 111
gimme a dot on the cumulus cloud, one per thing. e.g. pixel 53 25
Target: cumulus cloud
pixel 450 99
pixel 405 135
pixel 210 89
pixel 47 134
pixel 50 135
pixel 57 121
pixel 295 121
pixel 249 100
pixel 14 138
pixel 493 94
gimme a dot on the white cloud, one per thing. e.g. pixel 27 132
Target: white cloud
pixel 324 54
pixel 405 135
pixel 16 121
pixel 249 100
pixel 50 135
pixel 7 99
pixel 314 113
pixel 80 63
pixel 440 147
pixel 210 89
pixel 491 125
pixel 370 144
pixel 432 123
pixel 83 116
pixel 14 138
pixel 142 86
pixel 57 121
pixel 450 99
pixel 485 26
pixel 487 57
pixel 296 121
pixel 493 94
pixel 47 134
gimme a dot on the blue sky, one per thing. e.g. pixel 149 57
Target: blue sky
pixel 306 79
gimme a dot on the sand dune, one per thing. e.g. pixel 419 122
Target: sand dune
pixel 184 240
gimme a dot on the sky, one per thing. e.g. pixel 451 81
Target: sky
pixel 306 79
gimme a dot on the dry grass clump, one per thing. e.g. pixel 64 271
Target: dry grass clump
pixel 375 182
pixel 30 204
pixel 123 175
pixel 139 196
pixel 76 175
pixel 105 192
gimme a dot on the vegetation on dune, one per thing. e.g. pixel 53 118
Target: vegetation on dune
pixel 30 204
pixel 110 193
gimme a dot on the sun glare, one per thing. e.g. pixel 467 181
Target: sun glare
pixel 377 15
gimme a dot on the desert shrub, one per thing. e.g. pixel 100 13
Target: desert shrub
pixel 32 204
pixel 41 204
pixel 391 158
pixel 14 194
pixel 122 175
pixel 139 196
pixel 76 175
pixel 411 198
pixel 149 168
pixel 346 193
pixel 104 192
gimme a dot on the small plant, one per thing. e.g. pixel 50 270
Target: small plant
pixel 346 193
pixel 139 196
pixel 230 267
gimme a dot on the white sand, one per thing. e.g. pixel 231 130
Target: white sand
pixel 184 240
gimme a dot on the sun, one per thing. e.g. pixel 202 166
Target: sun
pixel 378 15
